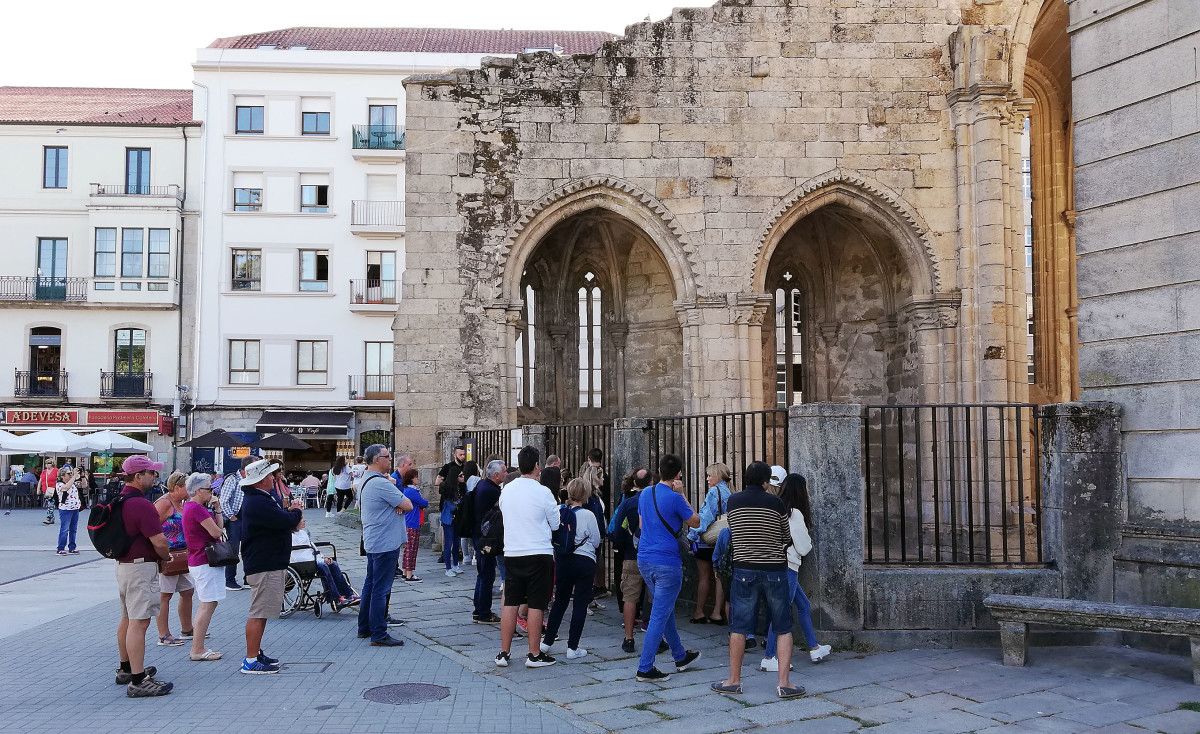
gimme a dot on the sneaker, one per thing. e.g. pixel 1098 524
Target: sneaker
pixel 413 579
pixel 545 648
pixel 751 643
pixel 458 570
pixel 627 647
pixel 60 553
pixel 450 574
pixel 651 676
pixel 169 641
pixel 771 665
pixel 72 552
pixel 501 659
pixel 328 515
pixel 489 619
pixel 258 667
pixel 539 661
pixel 393 622
pixel 690 657
pixel 577 653
pixel 388 641
pixel 234 587
pixel 267 659
pixel 790 691
pixel 148 688
pixel 124 679
pixel 597 606
pixel 819 653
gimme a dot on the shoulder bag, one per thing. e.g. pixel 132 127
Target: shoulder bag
pixel 176 565
pixel 685 545
pixel 713 531
pixel 221 553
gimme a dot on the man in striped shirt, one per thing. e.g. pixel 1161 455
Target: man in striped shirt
pixel 759 536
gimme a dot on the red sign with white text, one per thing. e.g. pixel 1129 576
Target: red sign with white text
pixel 122 418
pixel 41 417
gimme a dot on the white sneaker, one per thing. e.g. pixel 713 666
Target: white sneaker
pixel 576 653
pixel 457 569
pixel 770 665
pixel 545 648
pixel 451 574
pixel 820 653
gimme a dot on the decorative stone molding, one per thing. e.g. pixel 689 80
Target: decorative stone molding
pixel 937 312
pixel 829 332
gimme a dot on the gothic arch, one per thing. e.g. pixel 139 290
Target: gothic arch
pixel 599 192
pixel 872 200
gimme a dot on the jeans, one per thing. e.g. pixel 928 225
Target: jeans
pixel 345 498
pixel 234 530
pixel 804 609
pixel 68 524
pixel 484 582
pixel 330 499
pixel 334 581
pixel 468 549
pixel 372 610
pixel 663 583
pixel 451 551
pixel 573 579
pixel 752 587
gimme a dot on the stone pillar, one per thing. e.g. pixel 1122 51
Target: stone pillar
pixel 825 447
pixel 558 385
pixel 619 334
pixel 1083 495
pixel 535 436
pixel 630 447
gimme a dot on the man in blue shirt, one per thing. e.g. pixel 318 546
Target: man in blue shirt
pixel 383 507
pixel 663 515
pixel 485 496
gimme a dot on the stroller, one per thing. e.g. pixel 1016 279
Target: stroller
pixel 298 594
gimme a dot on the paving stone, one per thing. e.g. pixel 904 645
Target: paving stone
pixel 716 723
pixel 868 695
pixel 610 703
pixel 1026 706
pixel 945 722
pixel 1047 725
pixel 624 718
pixel 922 705
pixel 784 711
pixel 1102 714
pixel 713 703
pixel 826 725
pixel 1181 721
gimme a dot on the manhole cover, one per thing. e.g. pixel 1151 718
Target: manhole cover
pixel 400 694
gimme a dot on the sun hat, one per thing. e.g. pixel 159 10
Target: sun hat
pixel 258 471
pixel 139 463
pixel 778 474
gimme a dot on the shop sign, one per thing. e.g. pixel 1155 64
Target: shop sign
pixel 122 418
pixel 304 430
pixel 239 452
pixel 41 417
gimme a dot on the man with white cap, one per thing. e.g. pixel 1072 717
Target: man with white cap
pixel 266 548
pixel 778 474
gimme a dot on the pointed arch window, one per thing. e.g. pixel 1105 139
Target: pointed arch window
pixel 591 376
pixel 789 343
pixel 526 352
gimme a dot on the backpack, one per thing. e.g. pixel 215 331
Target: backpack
pixel 491 533
pixel 464 517
pixel 106 528
pixel 563 539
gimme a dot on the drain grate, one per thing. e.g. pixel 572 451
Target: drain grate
pixel 401 694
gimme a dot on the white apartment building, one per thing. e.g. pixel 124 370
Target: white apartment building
pixel 96 212
pixel 302 238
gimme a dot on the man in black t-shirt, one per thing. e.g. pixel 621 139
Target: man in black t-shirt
pixel 455 464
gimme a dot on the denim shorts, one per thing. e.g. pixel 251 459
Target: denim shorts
pixel 750 589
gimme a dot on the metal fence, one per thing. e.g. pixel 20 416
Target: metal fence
pixel 373 291
pixel 572 442
pixel 42 288
pixel 954 484
pixel 40 384
pixel 496 442
pixel 377 213
pixel 130 385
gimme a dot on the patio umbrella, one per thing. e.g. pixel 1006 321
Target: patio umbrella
pixel 5 438
pixel 49 441
pixel 215 439
pixel 113 441
pixel 280 441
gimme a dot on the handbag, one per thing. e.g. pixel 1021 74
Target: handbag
pixel 685 545
pixel 175 565
pixel 221 553
pixel 713 531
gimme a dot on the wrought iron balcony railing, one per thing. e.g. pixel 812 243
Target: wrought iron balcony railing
pixel 41 384
pixel 39 288
pixel 129 385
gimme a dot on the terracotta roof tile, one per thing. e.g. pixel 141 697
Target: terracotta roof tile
pixel 95 106
pixel 419 40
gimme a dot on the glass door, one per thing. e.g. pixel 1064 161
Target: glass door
pixel 378 376
pixel 45 361
pixel 52 269
pixel 381 277
pixel 381 126
pixel 129 364
pixel 137 171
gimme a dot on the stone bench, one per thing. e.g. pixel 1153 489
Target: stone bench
pixel 1014 614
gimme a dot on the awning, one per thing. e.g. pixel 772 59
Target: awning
pixel 311 423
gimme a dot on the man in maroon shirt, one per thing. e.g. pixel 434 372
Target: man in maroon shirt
pixel 137 578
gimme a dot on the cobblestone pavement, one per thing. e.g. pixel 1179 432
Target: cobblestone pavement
pixel 58 674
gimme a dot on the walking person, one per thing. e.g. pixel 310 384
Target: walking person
pixel 329 496
pixel 170 514
pixel 450 492
pixel 231 508
pixel 47 484
pixel 530 516
pixel 458 458
pixel 383 508
pixel 759 534
pixel 575 568
pixel 412 524
pixel 137 578
pixel 715 503
pixel 266 547
pixel 69 499
pixel 624 530
pixel 343 481
pixel 664 513
pixel 202 527
pixel 485 496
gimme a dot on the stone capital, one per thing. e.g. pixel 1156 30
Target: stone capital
pixel 939 311
pixel 618 332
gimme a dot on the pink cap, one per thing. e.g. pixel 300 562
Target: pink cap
pixel 135 464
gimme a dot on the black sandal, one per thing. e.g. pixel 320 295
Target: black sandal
pixel 699 620
pixel 717 620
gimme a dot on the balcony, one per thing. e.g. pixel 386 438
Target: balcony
pixel 170 195
pixel 372 387
pixel 369 295
pixel 377 219
pixel 152 293
pixel 129 386
pixel 41 289
pixel 378 143
pixel 38 385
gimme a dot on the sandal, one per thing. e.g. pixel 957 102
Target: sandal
pixel 205 656
pixel 699 620
pixel 718 620
pixel 720 687
pixel 169 641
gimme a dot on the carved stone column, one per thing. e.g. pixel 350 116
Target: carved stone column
pixel 558 342
pixel 619 333
pixel 934 321
pixel 749 311
pixel 505 318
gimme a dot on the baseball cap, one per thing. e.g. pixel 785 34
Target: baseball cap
pixel 258 471
pixel 139 463
pixel 778 474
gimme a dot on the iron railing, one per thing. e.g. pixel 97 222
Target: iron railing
pixel 373 291
pixel 954 484
pixel 571 442
pixel 378 137
pixel 170 190
pixel 41 384
pixel 490 444
pixel 372 387
pixel 40 288
pixel 376 213
pixel 130 385
pixel 733 439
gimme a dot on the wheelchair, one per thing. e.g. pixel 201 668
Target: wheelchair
pixel 298 594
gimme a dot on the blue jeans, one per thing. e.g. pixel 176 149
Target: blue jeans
pixel 663 584
pixel 372 610
pixel 752 587
pixel 804 609
pixel 484 582
pixel 451 550
pixel 233 529
pixel 334 581
pixel 68 524
pixel 573 579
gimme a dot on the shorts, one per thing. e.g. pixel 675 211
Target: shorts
pixel 529 581
pixel 266 594
pixel 172 584
pixel 631 582
pixel 210 583
pixel 137 587
pixel 771 589
pixel 703 553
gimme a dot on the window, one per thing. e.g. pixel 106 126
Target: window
pixel 314 270
pixel 129 356
pixel 131 252
pixel 243 361
pixel 527 353
pixel 312 363
pixel 247 270
pixel 377 382
pixel 158 264
pixel 789 344
pixel 137 171
pixel 54 167
pixel 106 252
pixel 249 120
pixel 381 277
pixel 591 378
pixel 314 198
pixel 314 123
pixel 247 200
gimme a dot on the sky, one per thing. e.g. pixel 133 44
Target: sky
pixel 140 43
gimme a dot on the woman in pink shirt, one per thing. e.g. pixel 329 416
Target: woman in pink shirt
pixel 202 526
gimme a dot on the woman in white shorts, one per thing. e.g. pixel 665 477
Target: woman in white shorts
pixel 170 514
pixel 201 526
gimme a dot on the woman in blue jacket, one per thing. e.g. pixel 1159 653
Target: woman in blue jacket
pixel 412 524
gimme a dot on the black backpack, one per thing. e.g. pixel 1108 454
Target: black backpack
pixel 464 516
pixel 563 539
pixel 106 527
pixel 491 533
